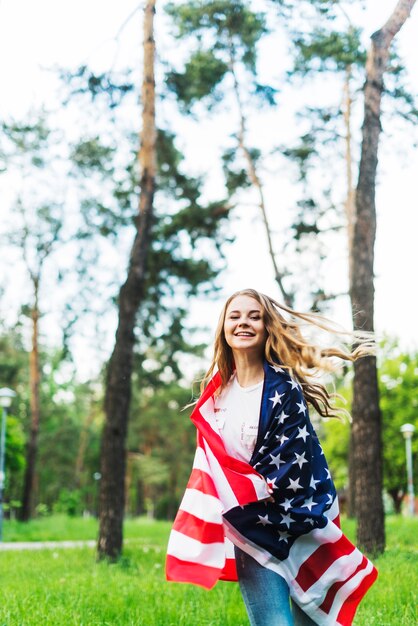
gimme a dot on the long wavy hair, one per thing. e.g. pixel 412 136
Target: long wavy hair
pixel 285 345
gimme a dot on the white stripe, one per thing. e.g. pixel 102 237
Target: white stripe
pixel 229 549
pixel 225 492
pixel 334 511
pixel 188 549
pixel 201 505
pixel 200 461
pixel 260 486
pixel 306 545
pixel 347 590
pixel 340 570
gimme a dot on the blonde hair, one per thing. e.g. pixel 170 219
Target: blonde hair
pixel 286 346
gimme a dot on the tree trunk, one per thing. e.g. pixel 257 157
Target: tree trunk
pixel 26 510
pixel 118 382
pixel 366 430
pixel 349 214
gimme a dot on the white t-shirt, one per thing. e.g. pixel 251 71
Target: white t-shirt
pixel 237 413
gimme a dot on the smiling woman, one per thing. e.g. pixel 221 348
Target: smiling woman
pixel 260 506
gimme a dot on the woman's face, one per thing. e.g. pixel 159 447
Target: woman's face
pixel 244 327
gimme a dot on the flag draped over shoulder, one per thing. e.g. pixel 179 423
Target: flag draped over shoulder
pixel 297 535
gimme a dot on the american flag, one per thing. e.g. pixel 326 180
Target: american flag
pixel 298 535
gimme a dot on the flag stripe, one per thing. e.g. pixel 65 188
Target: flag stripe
pixel 307 545
pixel 350 594
pixel 320 560
pixel 329 598
pixel 202 505
pixel 201 481
pixel 229 572
pixel 210 554
pixel 196 528
pixel 178 570
pixel 342 569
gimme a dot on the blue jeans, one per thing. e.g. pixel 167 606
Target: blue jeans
pixel 266 595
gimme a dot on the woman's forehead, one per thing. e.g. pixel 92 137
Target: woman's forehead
pixel 244 304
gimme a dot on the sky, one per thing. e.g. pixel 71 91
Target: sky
pixel 36 36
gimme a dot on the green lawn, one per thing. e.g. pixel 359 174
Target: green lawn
pixel 68 587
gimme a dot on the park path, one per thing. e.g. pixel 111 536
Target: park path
pixel 41 545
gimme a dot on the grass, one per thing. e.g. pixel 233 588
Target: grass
pixel 62 527
pixel 69 588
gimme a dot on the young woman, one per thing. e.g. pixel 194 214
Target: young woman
pixel 260 506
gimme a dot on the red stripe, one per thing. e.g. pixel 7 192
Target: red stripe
pixel 348 609
pixel 196 528
pixel 201 481
pixel 242 486
pixel 329 598
pixel 209 390
pixel 337 521
pixel 229 572
pixel 319 561
pixel 187 572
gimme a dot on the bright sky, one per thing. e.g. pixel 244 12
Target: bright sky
pixel 35 36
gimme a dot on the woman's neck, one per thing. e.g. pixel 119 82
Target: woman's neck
pixel 249 369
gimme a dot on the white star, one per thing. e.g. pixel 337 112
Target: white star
pixel 309 520
pixel 313 482
pixel 272 483
pixel 302 407
pixel 303 433
pixel 293 383
pixel 286 519
pixel 264 520
pixel 309 504
pixel 330 499
pixel 287 504
pixel 294 484
pixel 276 368
pixel 276 399
pixel 267 434
pixel 300 459
pixel 282 417
pixel 282 439
pixel 261 450
pixel 276 460
pixel 328 472
pixel 320 447
pixel 284 536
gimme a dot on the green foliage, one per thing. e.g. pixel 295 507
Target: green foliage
pixel 231 24
pixel 69 502
pixel 398 373
pixel 15 445
pixel 203 72
pixel 399 404
pixel 85 81
pixel 161 442
pixel 326 50
pixel 225 33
